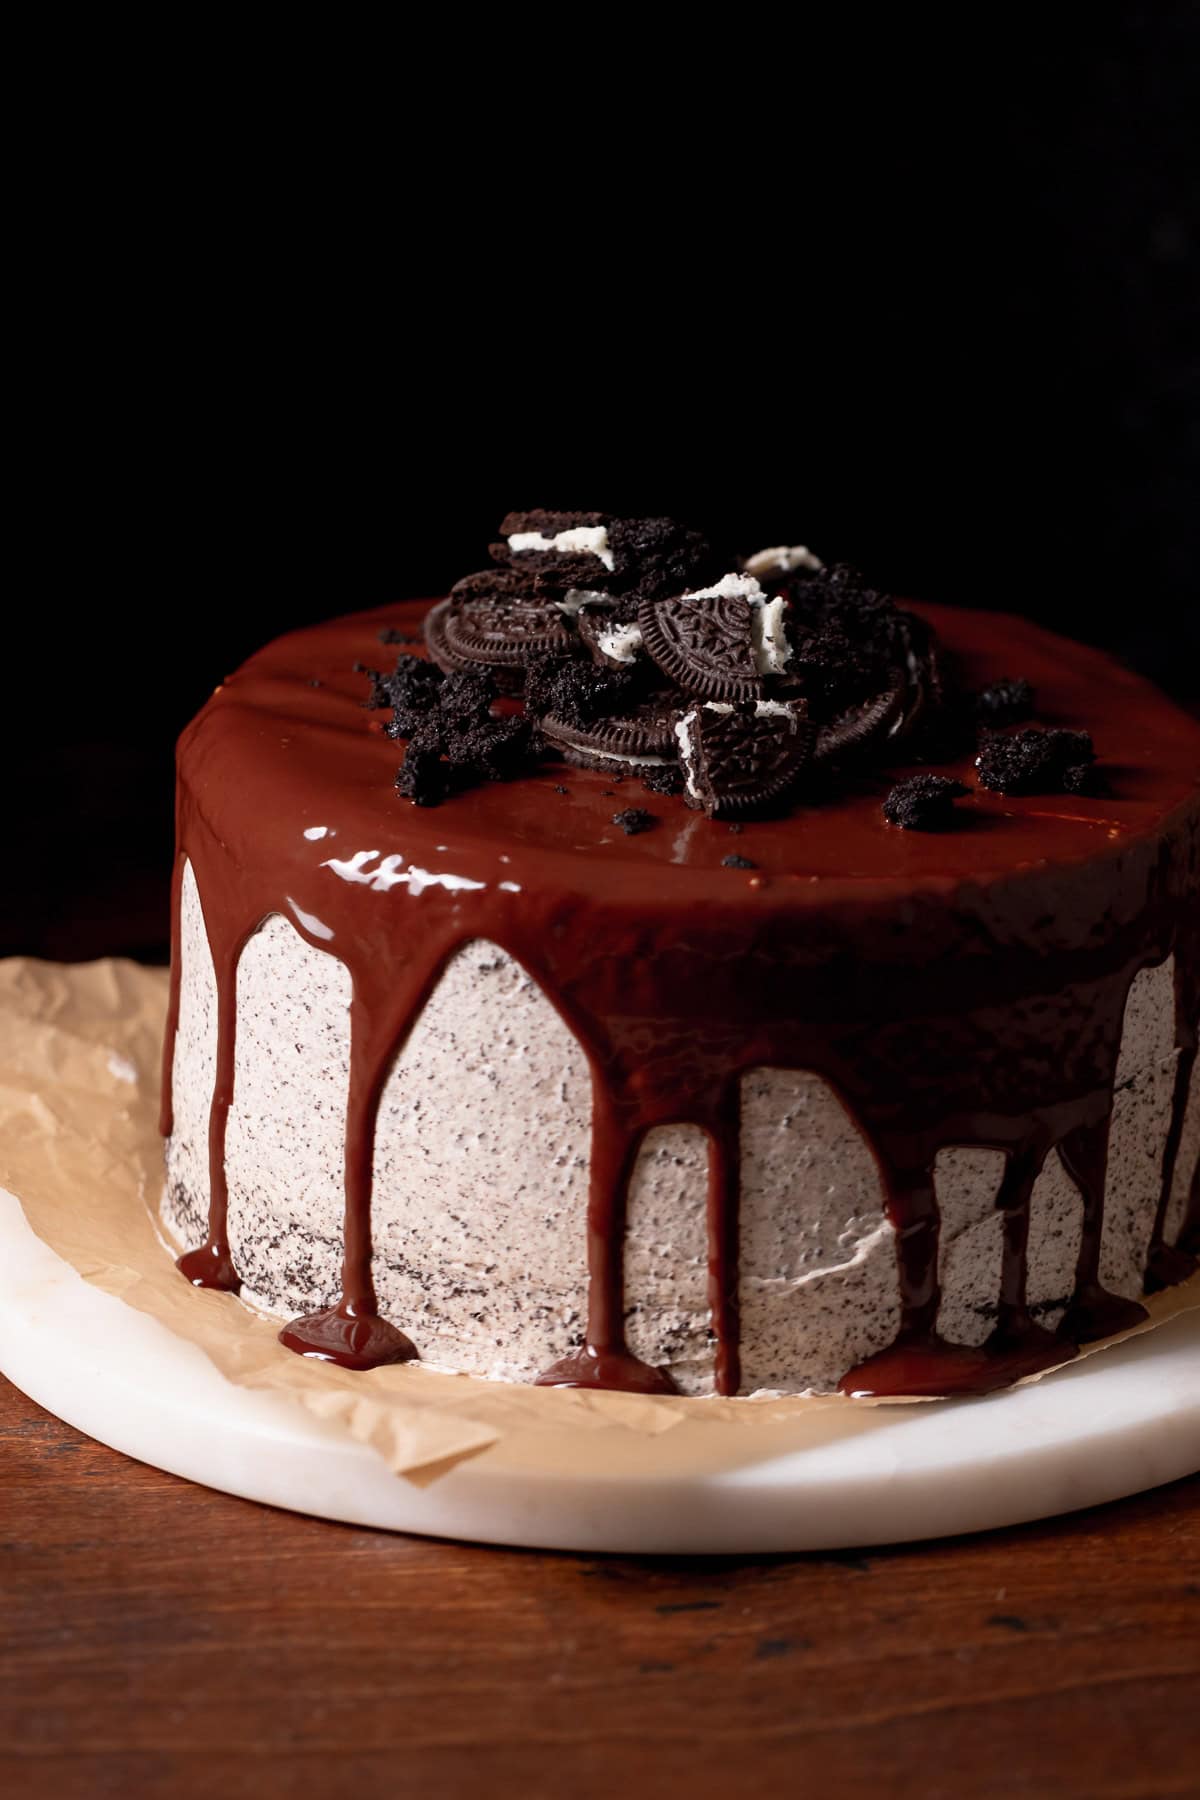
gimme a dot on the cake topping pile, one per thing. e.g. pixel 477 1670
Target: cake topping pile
pixel 629 646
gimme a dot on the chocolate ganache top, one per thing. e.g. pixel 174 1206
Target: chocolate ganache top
pixel 956 985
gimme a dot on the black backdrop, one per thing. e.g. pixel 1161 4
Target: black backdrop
pixel 931 310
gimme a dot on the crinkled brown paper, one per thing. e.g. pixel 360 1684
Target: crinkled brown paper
pixel 79 1147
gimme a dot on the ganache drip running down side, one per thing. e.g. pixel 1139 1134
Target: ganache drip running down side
pixel 1033 883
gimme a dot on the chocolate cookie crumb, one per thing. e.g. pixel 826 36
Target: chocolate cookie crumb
pixel 390 635
pixel 466 695
pixel 560 789
pixel 494 749
pixel 633 820
pixel 663 781
pixel 923 802
pixel 1085 778
pixel 411 690
pixel 578 692
pixel 424 778
pixel 737 862
pixel 1006 702
pixel 1035 762
pixel 737 828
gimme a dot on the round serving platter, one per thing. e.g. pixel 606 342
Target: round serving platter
pixel 1114 1424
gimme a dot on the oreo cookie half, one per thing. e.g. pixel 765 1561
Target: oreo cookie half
pixel 863 728
pixel 739 760
pixel 710 642
pixel 641 740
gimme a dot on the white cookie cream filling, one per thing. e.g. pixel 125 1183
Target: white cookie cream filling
pixel 771 647
pixel 575 599
pixel 768 636
pixel 784 557
pixel 635 762
pixel 622 643
pixel 734 586
pixel 683 731
pixel 763 709
pixel 582 540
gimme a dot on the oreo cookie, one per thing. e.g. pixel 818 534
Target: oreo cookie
pixel 639 741
pixel 743 760
pixel 707 642
pixel 433 626
pixel 558 551
pixel 502 631
pixel 612 643
pixel 862 729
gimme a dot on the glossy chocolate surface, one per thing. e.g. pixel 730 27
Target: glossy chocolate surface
pixel 957 988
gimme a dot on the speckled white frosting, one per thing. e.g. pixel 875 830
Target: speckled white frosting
pixel 481 1174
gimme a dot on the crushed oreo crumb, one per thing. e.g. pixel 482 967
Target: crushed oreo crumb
pixel 390 635
pixel 1006 702
pixel 560 789
pixel 633 820
pixel 424 778
pixel 923 802
pixel 314 682
pixel 1036 762
pixel 737 828
pixel 494 749
pixel 578 692
pixel 667 780
pixel 411 690
pixel 466 696
pixel 737 862
pixel 1085 778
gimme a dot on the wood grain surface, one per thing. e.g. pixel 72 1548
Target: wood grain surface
pixel 159 1639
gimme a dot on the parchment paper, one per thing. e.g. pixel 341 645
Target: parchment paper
pixel 79 1147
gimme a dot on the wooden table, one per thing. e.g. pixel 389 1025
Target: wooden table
pixel 159 1639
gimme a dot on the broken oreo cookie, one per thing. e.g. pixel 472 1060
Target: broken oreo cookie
pixel 719 642
pixel 557 552
pixel 744 759
pixel 862 729
pixel 612 642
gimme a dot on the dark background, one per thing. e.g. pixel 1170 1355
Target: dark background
pixel 927 303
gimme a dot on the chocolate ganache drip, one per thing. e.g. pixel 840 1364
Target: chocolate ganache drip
pixel 776 689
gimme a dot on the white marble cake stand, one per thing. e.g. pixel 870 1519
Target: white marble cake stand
pixel 1125 1420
